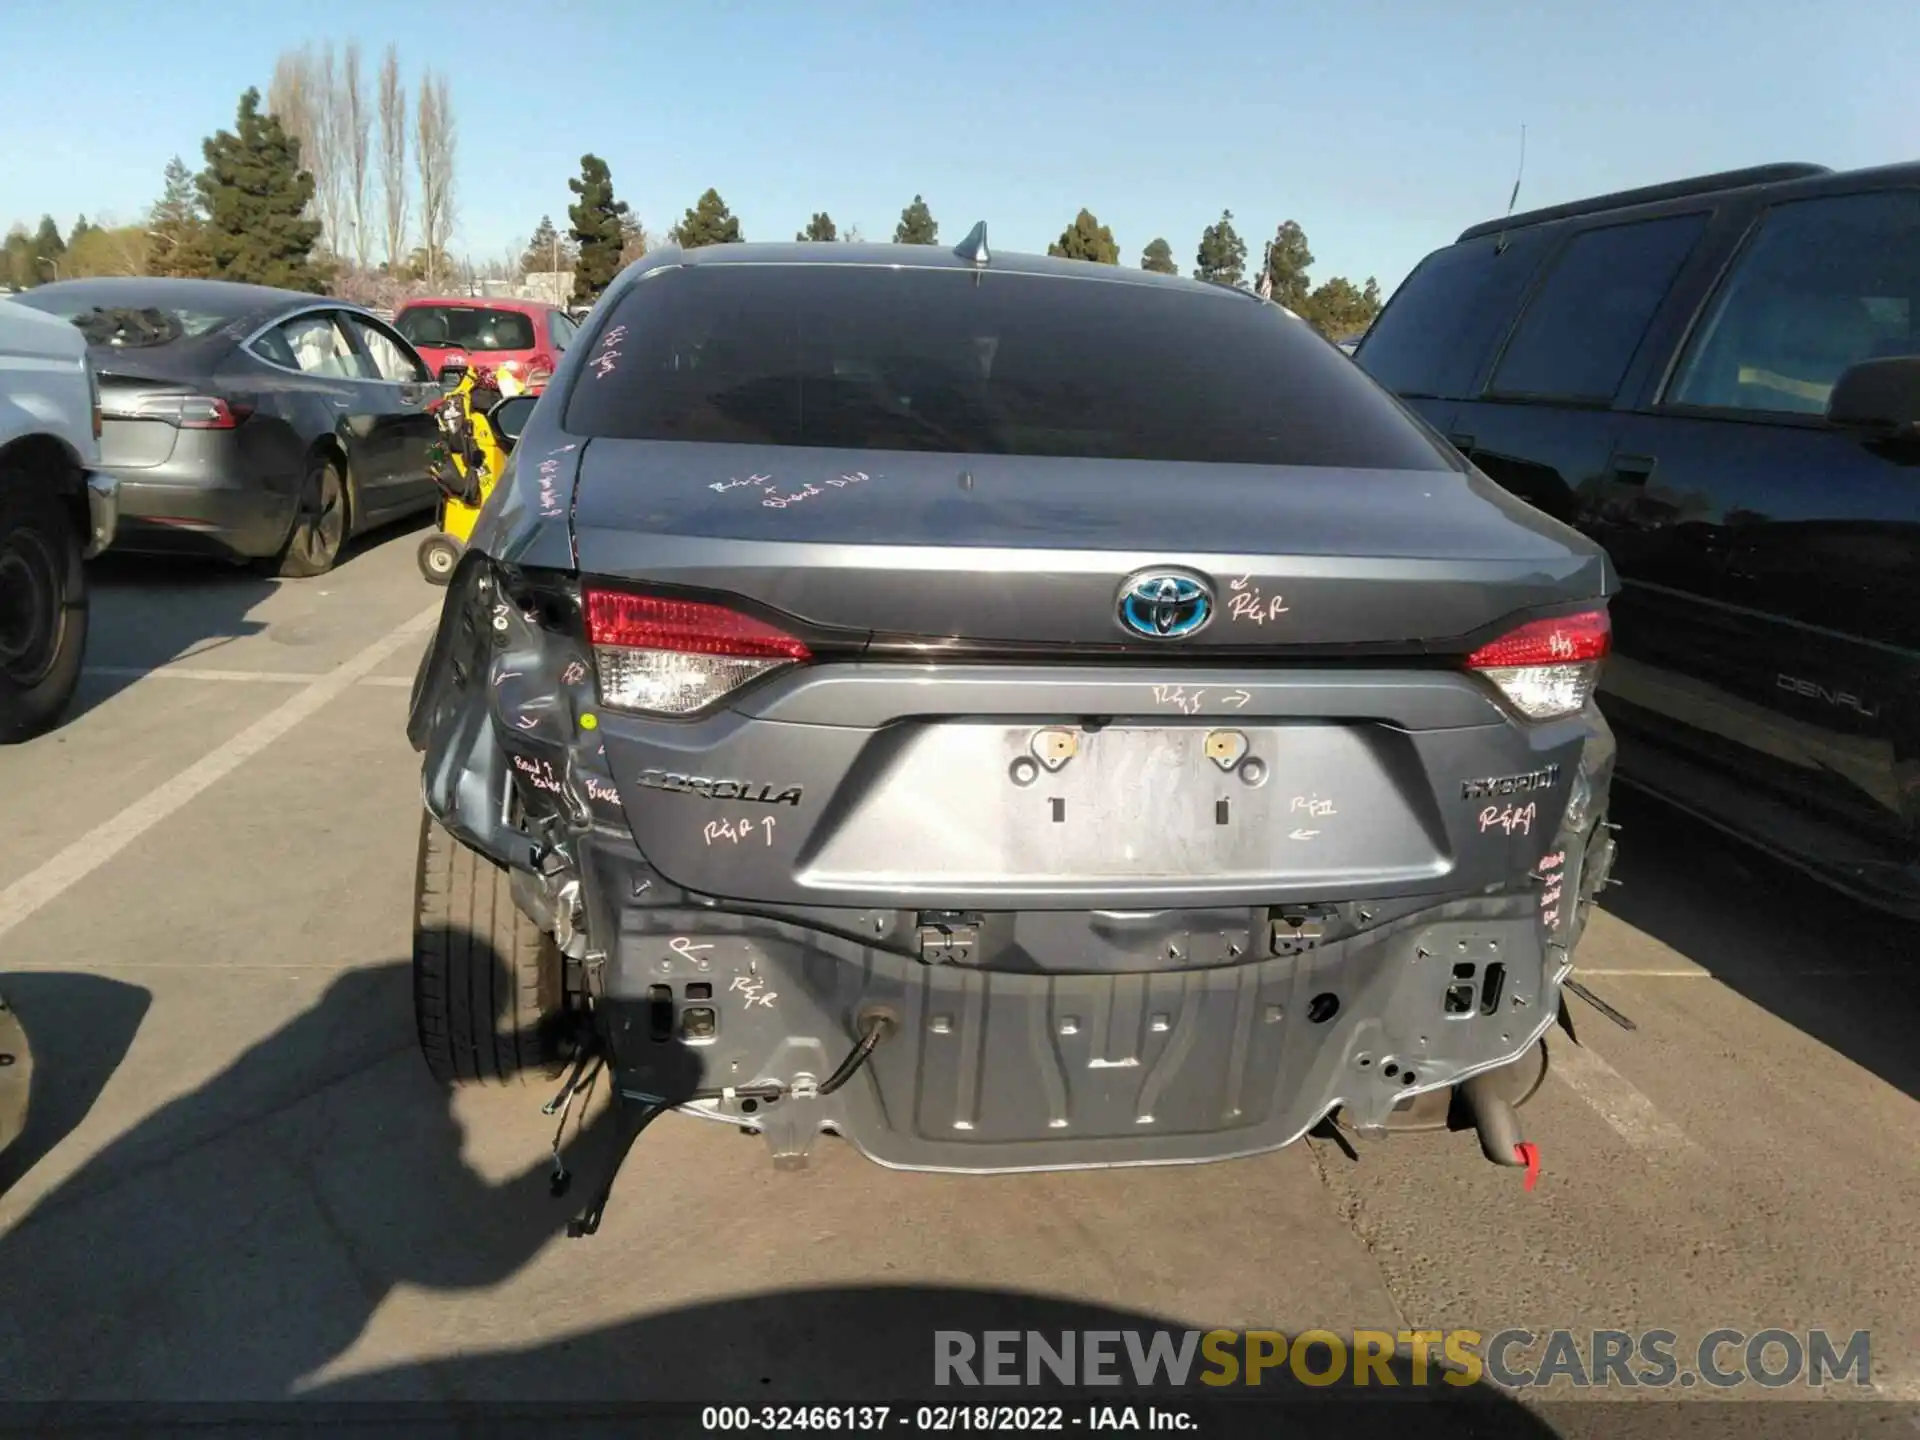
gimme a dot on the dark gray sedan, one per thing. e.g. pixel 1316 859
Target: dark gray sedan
pixel 251 423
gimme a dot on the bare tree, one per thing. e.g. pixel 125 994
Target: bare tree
pixel 329 178
pixel 354 122
pixel 433 145
pixel 291 98
pixel 393 157
pixel 304 94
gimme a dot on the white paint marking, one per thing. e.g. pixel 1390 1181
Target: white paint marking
pixel 188 672
pixel 1615 1099
pixel 107 839
pixel 253 677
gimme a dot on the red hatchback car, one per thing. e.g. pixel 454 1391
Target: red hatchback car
pixel 524 338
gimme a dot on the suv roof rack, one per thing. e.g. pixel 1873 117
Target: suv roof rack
pixel 1649 194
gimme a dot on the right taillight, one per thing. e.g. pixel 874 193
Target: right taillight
pixel 675 657
pixel 1547 668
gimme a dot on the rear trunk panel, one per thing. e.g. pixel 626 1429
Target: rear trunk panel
pixel 968 546
pixel 952 786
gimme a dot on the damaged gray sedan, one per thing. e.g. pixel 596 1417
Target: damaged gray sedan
pixel 1008 712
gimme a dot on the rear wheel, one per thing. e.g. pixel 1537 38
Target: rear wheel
pixel 43 606
pixel 438 555
pixel 319 522
pixel 488 984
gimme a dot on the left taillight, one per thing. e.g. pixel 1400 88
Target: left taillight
pixel 1547 668
pixel 665 656
pixel 189 412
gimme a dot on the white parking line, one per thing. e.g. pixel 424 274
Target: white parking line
pixel 110 837
pixel 243 677
pixel 188 672
pixel 1615 1099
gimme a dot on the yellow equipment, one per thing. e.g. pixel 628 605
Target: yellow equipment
pixel 465 463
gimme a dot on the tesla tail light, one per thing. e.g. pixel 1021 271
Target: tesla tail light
pixel 189 412
pixel 674 657
pixel 1547 668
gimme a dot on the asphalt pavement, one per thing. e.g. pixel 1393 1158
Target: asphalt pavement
pixel 239 1181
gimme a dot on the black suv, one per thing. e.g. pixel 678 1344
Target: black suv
pixel 1719 380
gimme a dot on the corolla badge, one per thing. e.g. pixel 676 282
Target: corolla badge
pixel 1166 604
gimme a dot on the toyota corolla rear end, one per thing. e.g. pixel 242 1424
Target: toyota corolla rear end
pixel 1020 715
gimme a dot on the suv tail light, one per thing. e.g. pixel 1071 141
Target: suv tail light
pixel 189 412
pixel 1547 668
pixel 674 657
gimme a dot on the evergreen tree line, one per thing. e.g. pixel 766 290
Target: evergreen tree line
pixel 303 192
pixel 603 237
pixel 256 213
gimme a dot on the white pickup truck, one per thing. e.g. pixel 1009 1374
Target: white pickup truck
pixel 55 511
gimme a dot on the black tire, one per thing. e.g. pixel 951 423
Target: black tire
pixel 488 984
pixel 43 606
pixel 438 555
pixel 320 522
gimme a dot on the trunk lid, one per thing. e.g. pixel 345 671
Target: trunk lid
pixel 1026 550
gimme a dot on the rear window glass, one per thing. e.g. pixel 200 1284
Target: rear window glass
pixel 465 327
pixel 880 358
pixel 130 326
pixel 1434 334
pixel 1582 329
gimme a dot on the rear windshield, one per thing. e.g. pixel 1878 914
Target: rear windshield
pixel 465 327
pixel 128 327
pixel 884 358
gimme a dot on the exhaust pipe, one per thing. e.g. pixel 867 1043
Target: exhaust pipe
pixel 1494 1120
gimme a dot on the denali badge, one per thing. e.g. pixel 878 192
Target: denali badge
pixel 710 789
pixel 1510 784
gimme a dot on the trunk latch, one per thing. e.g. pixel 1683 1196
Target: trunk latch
pixel 1292 931
pixel 948 937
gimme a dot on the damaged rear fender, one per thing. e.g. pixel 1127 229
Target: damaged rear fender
pixel 464 775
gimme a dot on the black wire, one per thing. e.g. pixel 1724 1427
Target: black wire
pixel 877 1029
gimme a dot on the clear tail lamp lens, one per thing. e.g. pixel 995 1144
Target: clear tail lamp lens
pixel 676 657
pixel 1547 668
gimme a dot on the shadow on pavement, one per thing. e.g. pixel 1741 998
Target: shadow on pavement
pixel 78 1028
pixel 877 1344
pixel 153 610
pixel 237 1241
pixel 1828 966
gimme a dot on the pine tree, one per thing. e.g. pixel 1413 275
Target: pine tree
pixel 548 250
pixel 1158 258
pixel 598 229
pixel 916 225
pixel 255 195
pixel 1288 260
pixel 176 233
pixel 707 223
pixel 1086 239
pixel 78 233
pixel 49 249
pixel 1222 256
pixel 821 227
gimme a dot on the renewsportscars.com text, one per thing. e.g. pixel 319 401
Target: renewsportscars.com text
pixel 1514 1359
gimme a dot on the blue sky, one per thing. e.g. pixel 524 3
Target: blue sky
pixel 1383 128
